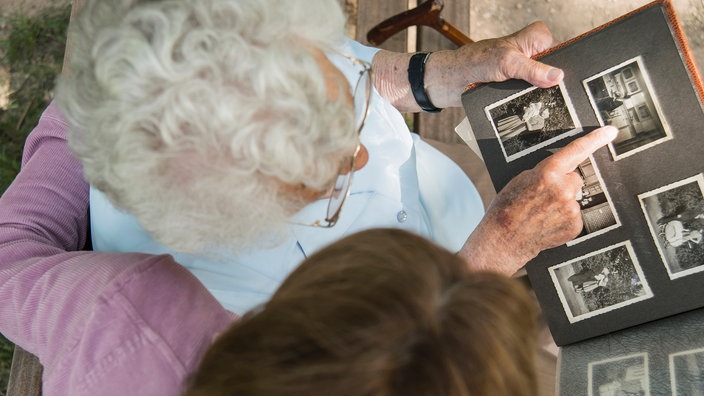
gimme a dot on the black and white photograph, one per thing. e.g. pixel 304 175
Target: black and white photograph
pixel 622 96
pixel 624 375
pixel 687 373
pixel 532 119
pixel 600 282
pixel 638 255
pixel 675 215
pixel 598 213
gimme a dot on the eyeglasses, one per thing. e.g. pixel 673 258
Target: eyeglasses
pixel 341 189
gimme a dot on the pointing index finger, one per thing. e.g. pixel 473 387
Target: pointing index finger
pixel 580 149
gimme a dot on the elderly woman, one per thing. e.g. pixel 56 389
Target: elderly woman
pixel 229 133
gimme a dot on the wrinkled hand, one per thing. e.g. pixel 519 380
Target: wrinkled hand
pixel 490 60
pixel 510 57
pixel 448 73
pixel 537 210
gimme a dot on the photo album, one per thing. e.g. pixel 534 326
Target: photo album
pixel 640 255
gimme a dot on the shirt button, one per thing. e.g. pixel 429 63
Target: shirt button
pixel 402 216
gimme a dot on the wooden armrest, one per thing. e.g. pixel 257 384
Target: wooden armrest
pixel 426 14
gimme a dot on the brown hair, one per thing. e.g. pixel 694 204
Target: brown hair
pixel 382 312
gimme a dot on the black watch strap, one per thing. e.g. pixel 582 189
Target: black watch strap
pixel 416 76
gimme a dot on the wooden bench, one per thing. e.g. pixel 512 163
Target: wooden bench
pixel 25 374
pixel 365 14
pixel 26 371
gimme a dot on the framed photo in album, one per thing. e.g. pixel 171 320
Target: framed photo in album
pixel 640 256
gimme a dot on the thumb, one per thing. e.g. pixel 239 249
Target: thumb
pixel 530 41
pixel 540 74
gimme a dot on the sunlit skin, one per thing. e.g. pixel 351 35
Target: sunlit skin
pixel 448 73
pixel 335 81
pixel 538 209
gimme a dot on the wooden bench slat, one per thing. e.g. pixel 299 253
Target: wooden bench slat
pixel 25 374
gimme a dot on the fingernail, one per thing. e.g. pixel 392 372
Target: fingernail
pixel 554 74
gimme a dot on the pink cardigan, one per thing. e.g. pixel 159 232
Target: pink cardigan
pixel 101 323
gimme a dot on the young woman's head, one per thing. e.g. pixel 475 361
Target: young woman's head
pixel 382 312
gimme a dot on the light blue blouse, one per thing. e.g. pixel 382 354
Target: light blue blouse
pixel 406 184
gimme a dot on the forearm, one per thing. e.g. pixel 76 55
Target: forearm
pixel 442 84
pixel 43 214
pixel 49 198
pixel 57 302
pixel 449 73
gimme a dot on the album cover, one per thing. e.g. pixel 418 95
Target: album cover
pixel 640 255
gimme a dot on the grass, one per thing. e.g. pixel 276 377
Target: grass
pixel 6 349
pixel 31 53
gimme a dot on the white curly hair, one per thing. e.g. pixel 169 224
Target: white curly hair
pixel 197 116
